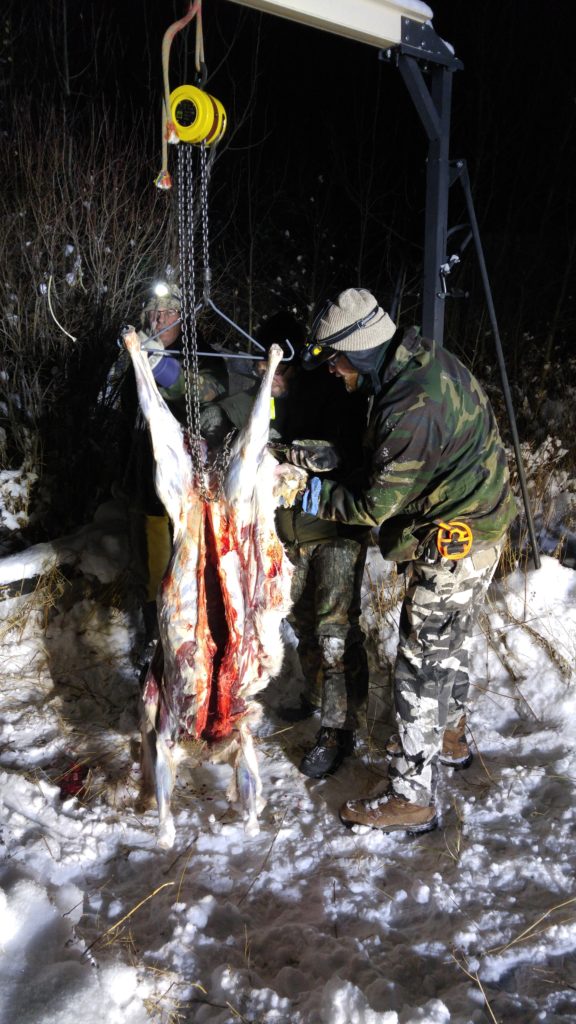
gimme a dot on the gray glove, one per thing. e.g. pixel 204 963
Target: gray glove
pixel 314 456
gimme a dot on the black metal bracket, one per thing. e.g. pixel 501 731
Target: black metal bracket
pixel 421 40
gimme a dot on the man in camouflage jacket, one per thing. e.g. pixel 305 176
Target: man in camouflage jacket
pixel 434 455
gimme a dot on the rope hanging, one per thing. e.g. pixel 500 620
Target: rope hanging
pixel 169 134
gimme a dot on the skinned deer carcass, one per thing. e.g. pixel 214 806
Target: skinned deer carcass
pixel 221 602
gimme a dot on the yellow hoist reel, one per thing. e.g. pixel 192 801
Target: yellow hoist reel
pixel 189 114
pixel 454 539
pixel 196 115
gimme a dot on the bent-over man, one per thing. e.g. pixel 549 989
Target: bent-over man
pixel 436 478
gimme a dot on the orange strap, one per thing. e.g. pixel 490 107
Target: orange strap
pixel 164 180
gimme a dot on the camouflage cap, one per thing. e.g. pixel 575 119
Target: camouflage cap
pixel 164 296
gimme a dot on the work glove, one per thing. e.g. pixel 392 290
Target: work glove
pixel 289 483
pixel 311 496
pixel 165 368
pixel 314 456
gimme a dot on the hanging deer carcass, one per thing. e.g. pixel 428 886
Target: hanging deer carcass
pixel 222 599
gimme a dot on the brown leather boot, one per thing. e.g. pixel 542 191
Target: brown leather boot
pixel 455 750
pixel 389 813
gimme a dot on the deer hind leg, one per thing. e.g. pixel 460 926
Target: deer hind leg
pixel 156 759
pixel 248 782
pixel 164 778
pixel 158 775
pixel 147 796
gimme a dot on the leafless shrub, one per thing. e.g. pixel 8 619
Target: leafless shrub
pixel 552 494
pixel 84 231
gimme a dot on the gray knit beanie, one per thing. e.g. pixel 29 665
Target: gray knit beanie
pixel 352 305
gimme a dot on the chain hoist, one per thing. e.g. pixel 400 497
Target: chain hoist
pixel 207 278
pixel 195 121
pixel 188 291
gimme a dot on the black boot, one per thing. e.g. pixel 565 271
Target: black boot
pixel 297 712
pixel 150 616
pixel 332 746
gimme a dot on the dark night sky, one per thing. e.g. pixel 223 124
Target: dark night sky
pixel 324 140
pixel 333 109
pixel 317 94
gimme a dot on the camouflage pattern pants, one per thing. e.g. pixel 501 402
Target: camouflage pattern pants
pixel 325 616
pixel 431 680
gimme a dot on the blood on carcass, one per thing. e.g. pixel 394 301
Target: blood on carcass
pixel 221 601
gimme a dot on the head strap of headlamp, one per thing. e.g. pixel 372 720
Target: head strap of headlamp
pixel 344 332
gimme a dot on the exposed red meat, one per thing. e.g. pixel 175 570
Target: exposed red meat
pixel 221 601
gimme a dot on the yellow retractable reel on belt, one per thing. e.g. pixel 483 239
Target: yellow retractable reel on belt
pixel 454 539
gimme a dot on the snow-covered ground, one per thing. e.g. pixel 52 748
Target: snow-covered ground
pixel 305 923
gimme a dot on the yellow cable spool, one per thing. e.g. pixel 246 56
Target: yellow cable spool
pixel 196 115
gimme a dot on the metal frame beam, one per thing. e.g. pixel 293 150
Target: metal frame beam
pixel 375 22
pixel 434 109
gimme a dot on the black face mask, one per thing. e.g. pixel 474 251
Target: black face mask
pixel 368 363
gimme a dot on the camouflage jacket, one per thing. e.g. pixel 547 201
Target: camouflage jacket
pixel 433 453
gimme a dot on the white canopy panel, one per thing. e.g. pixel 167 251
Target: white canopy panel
pixel 377 22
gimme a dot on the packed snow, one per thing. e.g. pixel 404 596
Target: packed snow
pixel 306 922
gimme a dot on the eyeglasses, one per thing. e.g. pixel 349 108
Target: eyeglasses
pixel 163 314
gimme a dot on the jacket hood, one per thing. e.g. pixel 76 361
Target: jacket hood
pixel 378 366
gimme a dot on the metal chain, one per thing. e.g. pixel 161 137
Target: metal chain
pixel 189 327
pixel 221 461
pixel 188 290
pixel 222 458
pixel 205 231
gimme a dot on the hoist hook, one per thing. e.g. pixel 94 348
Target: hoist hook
pixel 201 76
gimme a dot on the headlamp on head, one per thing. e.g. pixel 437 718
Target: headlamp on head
pixel 344 332
pixel 314 354
pixel 162 295
pixel 351 323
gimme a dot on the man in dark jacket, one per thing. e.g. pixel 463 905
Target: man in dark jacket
pixel 437 485
pixel 328 557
